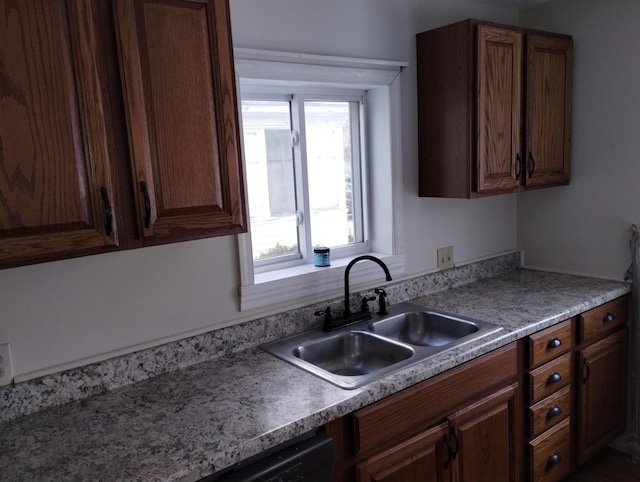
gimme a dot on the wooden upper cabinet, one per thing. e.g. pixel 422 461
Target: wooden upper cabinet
pixel 498 108
pixel 494 109
pixel 549 87
pixel 56 188
pixel 180 103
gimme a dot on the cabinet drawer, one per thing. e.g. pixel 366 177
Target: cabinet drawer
pixel 548 344
pixel 549 411
pixel 551 453
pixel 603 319
pixel 550 377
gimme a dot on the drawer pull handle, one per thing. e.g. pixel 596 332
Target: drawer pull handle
pixel 608 317
pixel 555 377
pixel 554 459
pixel 554 342
pixel 554 411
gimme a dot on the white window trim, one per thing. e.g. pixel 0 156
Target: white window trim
pixel 382 81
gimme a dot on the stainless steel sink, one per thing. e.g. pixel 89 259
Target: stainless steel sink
pixel 425 328
pixel 352 353
pixel 359 354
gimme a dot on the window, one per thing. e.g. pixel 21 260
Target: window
pixel 319 134
pixel 303 168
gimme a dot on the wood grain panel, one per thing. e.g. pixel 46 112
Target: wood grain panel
pixel 177 70
pixel 540 382
pixel 43 177
pixel 418 459
pixel 55 156
pixel 549 93
pixel 540 417
pixel 601 393
pixel 498 108
pixel 542 345
pixel 382 423
pixel 603 319
pixel 554 442
pixel 487 435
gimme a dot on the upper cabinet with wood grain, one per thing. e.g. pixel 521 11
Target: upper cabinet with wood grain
pixel 180 100
pixel 494 109
pixel 56 179
pixel 118 126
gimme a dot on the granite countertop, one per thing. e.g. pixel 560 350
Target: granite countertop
pixel 192 422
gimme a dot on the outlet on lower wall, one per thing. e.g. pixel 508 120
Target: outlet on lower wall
pixel 6 374
pixel 445 258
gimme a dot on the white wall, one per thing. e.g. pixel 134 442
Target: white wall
pixel 71 312
pixel 584 228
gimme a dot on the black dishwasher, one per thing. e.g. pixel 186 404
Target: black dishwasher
pixel 307 458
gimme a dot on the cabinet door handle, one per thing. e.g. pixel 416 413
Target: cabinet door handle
pixel 147 204
pixel 456 448
pixel 554 342
pixel 585 364
pixel 108 212
pixel 555 377
pixel 554 459
pixel 532 164
pixel 518 166
pixel 608 317
pixel 554 411
pixel 449 452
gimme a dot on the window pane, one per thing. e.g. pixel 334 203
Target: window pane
pixel 329 165
pixel 270 178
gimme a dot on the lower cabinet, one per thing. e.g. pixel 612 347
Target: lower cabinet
pixel 473 443
pixel 422 458
pixel 601 393
pixel 549 374
pixel 461 425
pixel 534 410
pixel 483 438
pixel 577 378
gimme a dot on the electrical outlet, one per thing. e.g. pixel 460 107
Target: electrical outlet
pixel 445 258
pixel 6 374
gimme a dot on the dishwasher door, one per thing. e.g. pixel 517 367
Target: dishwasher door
pixel 308 460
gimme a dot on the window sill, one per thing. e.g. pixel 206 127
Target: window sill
pixel 309 283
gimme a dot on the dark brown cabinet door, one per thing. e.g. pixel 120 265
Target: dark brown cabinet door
pixel 494 109
pixel 56 190
pixel 601 393
pixel 498 109
pixel 180 103
pixel 418 459
pixel 549 85
pixel 486 438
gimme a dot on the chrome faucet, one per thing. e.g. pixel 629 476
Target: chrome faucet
pixel 347 310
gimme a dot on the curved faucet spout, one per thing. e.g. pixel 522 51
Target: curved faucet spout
pixel 347 310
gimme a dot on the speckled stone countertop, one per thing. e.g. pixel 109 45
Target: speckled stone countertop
pixel 192 422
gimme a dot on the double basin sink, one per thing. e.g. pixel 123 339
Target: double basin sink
pixel 359 354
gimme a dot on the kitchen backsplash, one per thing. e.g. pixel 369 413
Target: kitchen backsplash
pixel 78 383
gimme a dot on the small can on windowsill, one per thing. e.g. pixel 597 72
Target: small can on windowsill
pixel 321 257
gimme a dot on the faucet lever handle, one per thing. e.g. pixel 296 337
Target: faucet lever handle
pixel 326 312
pixel 364 306
pixel 382 303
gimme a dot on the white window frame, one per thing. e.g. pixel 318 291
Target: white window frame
pixel 305 283
pixel 297 96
